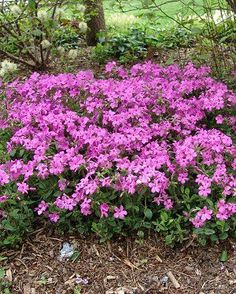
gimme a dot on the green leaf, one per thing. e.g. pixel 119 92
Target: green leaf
pixel 164 216
pixel 32 4
pixel 223 236
pixel 140 234
pixel 209 232
pixel 168 239
pixel 37 33
pixel 21 153
pixel 2 273
pixel 196 30
pixel 224 256
pixel 214 238
pixel 187 191
pixel 202 241
pixel 148 213
pixel 8 226
pixel 13 153
pixel 75 256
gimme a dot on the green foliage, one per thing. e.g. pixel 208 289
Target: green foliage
pixel 126 47
pixel 4 283
pixel 133 45
pixel 67 37
pixel 17 222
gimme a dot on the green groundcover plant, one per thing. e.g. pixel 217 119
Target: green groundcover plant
pixel 147 148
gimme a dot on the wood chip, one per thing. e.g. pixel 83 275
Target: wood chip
pixel 96 250
pixel 27 289
pixel 9 275
pixel 158 258
pixel 173 280
pixel 109 278
pixel 129 264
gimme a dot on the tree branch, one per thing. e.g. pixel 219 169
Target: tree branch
pixel 17 59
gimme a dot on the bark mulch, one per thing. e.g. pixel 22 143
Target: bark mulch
pixel 117 267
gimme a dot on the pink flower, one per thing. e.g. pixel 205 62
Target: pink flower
pixel 110 66
pixel 201 217
pixel 219 119
pixel 65 202
pixel 4 177
pixel 120 212
pixel 3 198
pixel 23 188
pixel 85 207
pixel 183 177
pixel 225 210
pixel 62 183
pixel 54 217
pixel 42 207
pixel 104 209
pixel 168 203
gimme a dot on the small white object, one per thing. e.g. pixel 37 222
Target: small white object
pixel 67 251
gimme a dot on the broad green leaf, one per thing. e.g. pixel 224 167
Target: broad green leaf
pixel 148 213
pixel 2 273
pixel 32 4
pixel 224 256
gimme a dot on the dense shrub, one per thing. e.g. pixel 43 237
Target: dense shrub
pixel 67 38
pixel 149 147
pixel 127 46
pixel 134 44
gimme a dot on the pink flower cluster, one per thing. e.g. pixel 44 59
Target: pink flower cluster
pixel 225 210
pixel 137 129
pixel 201 217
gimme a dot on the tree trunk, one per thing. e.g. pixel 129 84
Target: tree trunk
pixel 96 21
pixel 232 4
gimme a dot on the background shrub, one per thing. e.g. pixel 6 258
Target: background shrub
pixel 32 31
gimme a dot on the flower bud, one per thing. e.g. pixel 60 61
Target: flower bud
pixel 7 67
pixel 43 15
pixel 83 27
pixel 45 44
pixel 81 8
pixel 73 53
pixel 61 50
pixel 15 10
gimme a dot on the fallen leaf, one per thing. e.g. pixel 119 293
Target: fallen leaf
pixel 9 275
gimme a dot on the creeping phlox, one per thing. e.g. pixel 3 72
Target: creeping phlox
pixel 135 130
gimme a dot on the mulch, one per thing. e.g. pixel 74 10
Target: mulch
pixel 118 267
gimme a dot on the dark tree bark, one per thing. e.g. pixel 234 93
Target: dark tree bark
pixel 96 21
pixel 232 4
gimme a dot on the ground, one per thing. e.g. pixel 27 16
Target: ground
pixel 118 267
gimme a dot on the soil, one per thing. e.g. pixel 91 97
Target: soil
pixel 118 267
